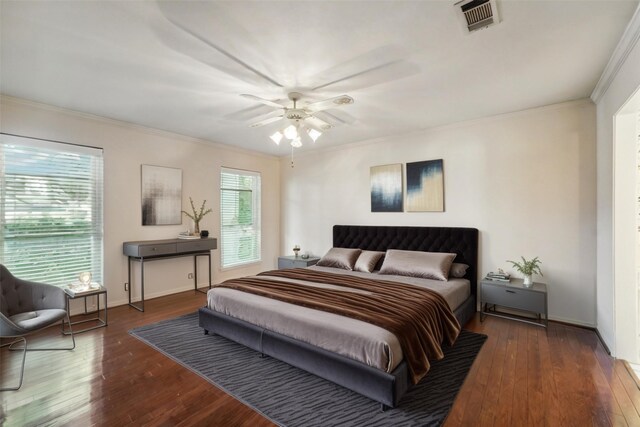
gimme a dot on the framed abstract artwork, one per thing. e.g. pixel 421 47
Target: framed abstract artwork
pixel 386 188
pixel 425 186
pixel 161 195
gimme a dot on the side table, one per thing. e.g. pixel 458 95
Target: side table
pixel 514 296
pixel 102 322
pixel 296 261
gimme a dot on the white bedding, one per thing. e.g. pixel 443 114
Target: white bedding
pixel 349 337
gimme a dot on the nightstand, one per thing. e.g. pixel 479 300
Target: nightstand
pixel 514 296
pixel 296 262
pixel 100 321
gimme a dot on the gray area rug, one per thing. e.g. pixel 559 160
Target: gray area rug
pixel 291 397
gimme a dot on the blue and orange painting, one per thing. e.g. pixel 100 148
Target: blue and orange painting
pixel 425 186
pixel 386 188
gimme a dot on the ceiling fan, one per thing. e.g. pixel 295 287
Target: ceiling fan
pixel 203 36
pixel 301 120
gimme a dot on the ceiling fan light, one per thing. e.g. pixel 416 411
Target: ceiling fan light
pixel 314 134
pixel 296 143
pixel 291 132
pixel 276 137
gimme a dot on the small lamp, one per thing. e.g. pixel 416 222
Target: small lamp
pixel 85 278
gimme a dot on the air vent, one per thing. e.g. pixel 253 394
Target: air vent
pixel 477 14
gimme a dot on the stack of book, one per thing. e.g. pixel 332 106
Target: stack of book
pixel 500 276
pixel 77 289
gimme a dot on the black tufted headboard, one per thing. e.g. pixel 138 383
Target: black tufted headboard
pixel 461 241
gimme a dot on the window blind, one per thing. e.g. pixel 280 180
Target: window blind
pixel 239 217
pixel 51 210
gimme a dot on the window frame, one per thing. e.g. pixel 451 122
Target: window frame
pixel 95 231
pixel 256 213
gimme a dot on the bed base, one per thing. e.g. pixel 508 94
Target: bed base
pixel 383 387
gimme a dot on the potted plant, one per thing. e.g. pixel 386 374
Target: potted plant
pixel 197 215
pixel 528 268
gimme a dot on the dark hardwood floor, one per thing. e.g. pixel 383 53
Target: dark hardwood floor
pixel 522 376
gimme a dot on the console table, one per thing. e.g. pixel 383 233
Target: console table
pixel 152 250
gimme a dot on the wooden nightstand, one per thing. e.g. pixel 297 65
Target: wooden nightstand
pixel 514 296
pixel 296 262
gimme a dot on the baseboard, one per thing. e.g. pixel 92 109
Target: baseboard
pixel 572 322
pixel 589 328
pixel 633 373
pixel 602 341
pixel 153 295
pixel 77 310
pixel 580 325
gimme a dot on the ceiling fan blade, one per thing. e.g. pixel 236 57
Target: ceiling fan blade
pixel 265 121
pixel 183 44
pixel 337 101
pixel 317 123
pixel 250 113
pixel 381 74
pixel 262 100
pixel 196 26
pixel 380 65
pixel 335 118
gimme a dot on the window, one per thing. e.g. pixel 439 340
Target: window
pixel 50 210
pixel 239 217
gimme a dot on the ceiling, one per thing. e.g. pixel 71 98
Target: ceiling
pixel 177 67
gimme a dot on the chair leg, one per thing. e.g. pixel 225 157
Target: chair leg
pixel 24 349
pixel 24 356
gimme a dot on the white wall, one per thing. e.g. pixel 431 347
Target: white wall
pixel 526 180
pixel 623 81
pixel 126 147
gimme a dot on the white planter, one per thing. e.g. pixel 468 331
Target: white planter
pixel 528 281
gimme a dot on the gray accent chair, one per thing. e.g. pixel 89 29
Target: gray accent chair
pixel 27 307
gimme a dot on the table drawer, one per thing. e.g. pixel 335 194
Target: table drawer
pixel 288 263
pixel 196 245
pixel 295 263
pixel 513 298
pixel 153 250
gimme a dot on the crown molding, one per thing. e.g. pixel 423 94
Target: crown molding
pixel 9 99
pixel 626 44
pixel 577 103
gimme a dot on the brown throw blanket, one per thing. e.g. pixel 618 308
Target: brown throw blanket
pixel 420 318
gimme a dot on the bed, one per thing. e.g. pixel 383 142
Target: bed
pixel 386 386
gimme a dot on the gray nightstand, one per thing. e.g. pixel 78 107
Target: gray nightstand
pixel 514 296
pixel 99 322
pixel 296 262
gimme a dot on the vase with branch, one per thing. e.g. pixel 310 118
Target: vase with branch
pixel 197 215
pixel 528 268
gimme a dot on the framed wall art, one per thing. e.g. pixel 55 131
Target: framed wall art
pixel 386 188
pixel 425 186
pixel 161 195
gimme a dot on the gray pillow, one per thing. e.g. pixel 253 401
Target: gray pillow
pixel 428 265
pixel 458 269
pixel 368 260
pixel 340 258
